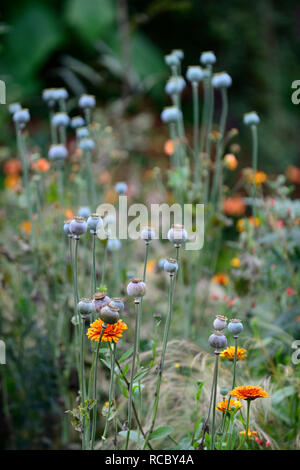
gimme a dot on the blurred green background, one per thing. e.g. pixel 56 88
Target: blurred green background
pixel 116 48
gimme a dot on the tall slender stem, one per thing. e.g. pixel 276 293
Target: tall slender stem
pixel 196 131
pixel 162 359
pixel 254 169
pixel 135 348
pixel 214 401
pixel 94 417
pixel 111 385
pixel 93 276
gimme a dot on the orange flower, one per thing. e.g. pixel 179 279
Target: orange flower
pixel 41 165
pixel 220 278
pixel 248 392
pixel 222 405
pixel 11 181
pixel 293 174
pixel 151 266
pixel 234 206
pixel 12 167
pixel 235 262
pixel 228 353
pixel 258 178
pixel 250 433
pixel 111 196
pixel 242 223
pixel 169 147
pixel 26 226
pixel 69 214
pixel 105 177
pixel 230 161
pixel 111 332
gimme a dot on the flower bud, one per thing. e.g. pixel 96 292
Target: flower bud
pixel 118 303
pixel 94 223
pixel 175 86
pixel 171 114
pixel 87 101
pixel 217 340
pixel 78 226
pixel 121 187
pixel 82 132
pixel 21 117
pixel 100 299
pixel 57 152
pixel 113 244
pixel 208 58
pixel 251 118
pixel 86 144
pixel 235 326
pixel 77 122
pixel 177 234
pixel 136 288
pixel 172 60
pixel 221 80
pixel 14 107
pixel 194 73
pixel 171 265
pixel 60 94
pixel 67 227
pixel 220 322
pixel 147 234
pixel 48 95
pixel 109 314
pixel 60 120
pixel 84 212
pixel 85 307
pixel 224 391
pixel 179 53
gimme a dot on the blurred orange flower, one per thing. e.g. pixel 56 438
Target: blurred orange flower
pixel 12 167
pixel 220 278
pixel 41 165
pixel 11 181
pixel 26 226
pixel 111 196
pixel 242 223
pixel 69 214
pixel 229 352
pixel 250 433
pixel 258 178
pixel 222 405
pixel 234 206
pixel 169 147
pixel 235 262
pixel 293 174
pixel 230 161
pixel 105 177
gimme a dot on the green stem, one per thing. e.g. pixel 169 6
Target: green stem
pixel 112 370
pixel 218 163
pixel 196 131
pixel 162 359
pixel 94 417
pixel 93 276
pixel 254 168
pixel 214 401
pixel 135 349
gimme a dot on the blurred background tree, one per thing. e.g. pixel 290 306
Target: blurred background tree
pixel 116 48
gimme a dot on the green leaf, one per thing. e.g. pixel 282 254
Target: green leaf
pixel 126 355
pixel 283 393
pixel 161 433
pixel 91 18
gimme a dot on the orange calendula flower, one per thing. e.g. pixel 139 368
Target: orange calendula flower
pixel 230 161
pixel 11 181
pixel 250 433
pixel 242 223
pixel 26 226
pixel 69 214
pixel 169 147
pixel 222 405
pixel 12 166
pixel 220 278
pixel 234 206
pixel 258 178
pixel 293 174
pixel 235 262
pixel 248 392
pixel 228 353
pixel 112 333
pixel 42 165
